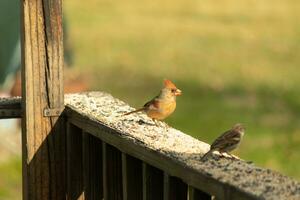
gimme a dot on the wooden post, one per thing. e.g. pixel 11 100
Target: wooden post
pixel 43 132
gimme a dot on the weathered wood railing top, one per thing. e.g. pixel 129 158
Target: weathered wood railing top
pixel 10 107
pixel 173 151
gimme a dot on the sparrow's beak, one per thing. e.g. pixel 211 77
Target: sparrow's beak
pixel 178 92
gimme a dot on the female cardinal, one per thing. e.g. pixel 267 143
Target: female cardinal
pixel 162 105
pixel 228 141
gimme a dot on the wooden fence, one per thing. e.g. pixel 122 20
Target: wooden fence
pixel 141 161
pixel 80 147
pixel 112 156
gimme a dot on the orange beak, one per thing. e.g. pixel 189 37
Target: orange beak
pixel 178 92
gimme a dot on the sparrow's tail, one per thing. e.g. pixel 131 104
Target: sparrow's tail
pixel 138 110
pixel 204 157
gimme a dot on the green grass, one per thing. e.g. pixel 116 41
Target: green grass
pixel 236 61
pixel 10 179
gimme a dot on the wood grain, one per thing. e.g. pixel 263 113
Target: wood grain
pixel 43 138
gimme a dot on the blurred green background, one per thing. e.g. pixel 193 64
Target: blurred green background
pixel 235 61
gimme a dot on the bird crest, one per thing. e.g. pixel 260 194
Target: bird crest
pixel 169 84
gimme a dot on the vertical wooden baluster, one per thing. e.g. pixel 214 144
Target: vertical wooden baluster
pixel 124 176
pixel 132 178
pixel 195 194
pixel 153 179
pixel 92 166
pixel 112 173
pixel 174 188
pixel 166 186
pixel 104 169
pixel 74 163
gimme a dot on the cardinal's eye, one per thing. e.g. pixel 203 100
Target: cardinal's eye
pixel 174 90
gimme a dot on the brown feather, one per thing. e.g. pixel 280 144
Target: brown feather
pixel 154 102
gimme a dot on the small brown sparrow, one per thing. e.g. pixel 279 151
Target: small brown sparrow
pixel 163 105
pixel 227 142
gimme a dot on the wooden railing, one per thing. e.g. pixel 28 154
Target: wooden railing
pixel 10 107
pixel 113 157
pixel 118 158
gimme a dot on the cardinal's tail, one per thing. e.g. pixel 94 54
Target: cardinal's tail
pixel 138 110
